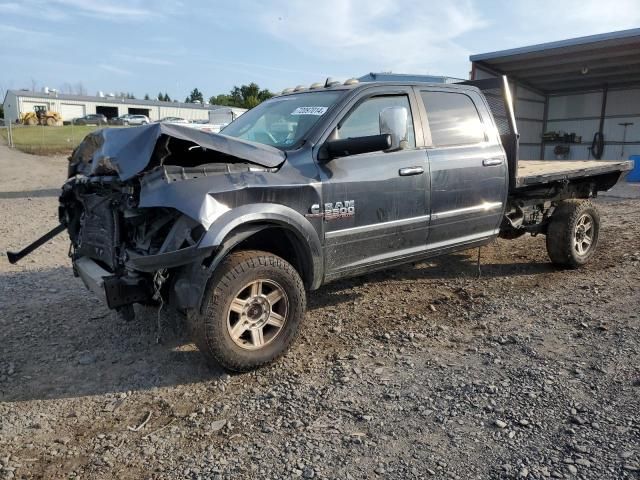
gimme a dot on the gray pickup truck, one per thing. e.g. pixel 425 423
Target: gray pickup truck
pixel 314 185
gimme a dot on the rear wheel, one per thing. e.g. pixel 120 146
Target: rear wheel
pixel 251 313
pixel 572 236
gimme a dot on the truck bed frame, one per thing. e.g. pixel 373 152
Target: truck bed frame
pixel 537 172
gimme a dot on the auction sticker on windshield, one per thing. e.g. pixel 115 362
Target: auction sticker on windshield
pixel 310 111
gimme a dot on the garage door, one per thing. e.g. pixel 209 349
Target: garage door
pixel 70 111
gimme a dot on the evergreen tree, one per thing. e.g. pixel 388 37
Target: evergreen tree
pixel 195 96
pixel 245 96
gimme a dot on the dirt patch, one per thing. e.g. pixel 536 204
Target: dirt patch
pixel 425 371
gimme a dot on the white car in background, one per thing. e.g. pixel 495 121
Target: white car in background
pixel 206 127
pixel 172 120
pixel 138 120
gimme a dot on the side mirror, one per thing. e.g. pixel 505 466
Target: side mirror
pixel 394 122
pixel 354 146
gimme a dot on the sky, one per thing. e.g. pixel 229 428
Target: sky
pixel 173 46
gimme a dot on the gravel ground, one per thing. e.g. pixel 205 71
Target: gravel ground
pixel 424 371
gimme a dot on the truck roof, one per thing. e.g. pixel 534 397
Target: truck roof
pixel 363 85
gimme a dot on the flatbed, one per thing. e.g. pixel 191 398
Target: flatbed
pixel 536 172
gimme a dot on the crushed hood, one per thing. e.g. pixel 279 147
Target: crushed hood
pixel 128 151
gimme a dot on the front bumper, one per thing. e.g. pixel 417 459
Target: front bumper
pixel 92 275
pixel 117 291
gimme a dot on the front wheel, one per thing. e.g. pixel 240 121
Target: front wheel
pixel 572 236
pixel 251 313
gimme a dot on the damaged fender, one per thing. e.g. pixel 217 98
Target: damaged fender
pixel 236 226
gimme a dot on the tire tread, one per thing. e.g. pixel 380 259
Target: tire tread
pixel 216 293
pixel 559 239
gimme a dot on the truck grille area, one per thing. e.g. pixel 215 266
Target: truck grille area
pixel 99 237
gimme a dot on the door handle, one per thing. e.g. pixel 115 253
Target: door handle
pixel 405 172
pixel 490 162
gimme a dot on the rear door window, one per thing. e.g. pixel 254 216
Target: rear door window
pixel 453 119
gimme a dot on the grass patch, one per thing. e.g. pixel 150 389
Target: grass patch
pixel 48 140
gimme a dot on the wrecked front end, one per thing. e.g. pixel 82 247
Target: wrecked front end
pixel 119 249
pixel 137 205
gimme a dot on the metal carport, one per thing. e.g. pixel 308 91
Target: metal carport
pixel 584 86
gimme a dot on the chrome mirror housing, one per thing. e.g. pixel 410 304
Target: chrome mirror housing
pixel 394 121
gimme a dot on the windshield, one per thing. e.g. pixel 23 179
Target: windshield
pixel 282 122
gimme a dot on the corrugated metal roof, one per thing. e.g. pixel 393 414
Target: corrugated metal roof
pixel 634 32
pixel 573 64
pixel 113 100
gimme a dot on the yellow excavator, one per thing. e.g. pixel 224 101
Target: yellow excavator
pixel 41 116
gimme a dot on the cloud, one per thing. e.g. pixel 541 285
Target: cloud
pixel 109 9
pixel 33 9
pixel 60 10
pixel 12 30
pixel 529 22
pixel 112 10
pixel 406 36
pixel 114 69
pixel 142 59
pixel 35 42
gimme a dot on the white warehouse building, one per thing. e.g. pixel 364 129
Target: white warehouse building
pixel 17 102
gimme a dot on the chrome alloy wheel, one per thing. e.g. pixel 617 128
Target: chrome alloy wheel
pixel 257 314
pixel 583 234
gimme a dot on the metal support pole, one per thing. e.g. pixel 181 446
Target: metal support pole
pixel 624 136
pixel 603 111
pixel 545 118
pixel 9 133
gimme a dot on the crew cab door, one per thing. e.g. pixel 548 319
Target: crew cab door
pixel 469 179
pixel 388 191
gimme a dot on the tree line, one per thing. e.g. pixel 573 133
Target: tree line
pixel 244 96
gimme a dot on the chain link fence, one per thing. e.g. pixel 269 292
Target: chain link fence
pixel 43 139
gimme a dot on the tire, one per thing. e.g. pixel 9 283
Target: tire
pixel 50 121
pixel 236 308
pixel 572 235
